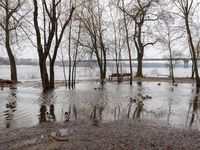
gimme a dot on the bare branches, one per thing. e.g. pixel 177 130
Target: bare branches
pixel 151 43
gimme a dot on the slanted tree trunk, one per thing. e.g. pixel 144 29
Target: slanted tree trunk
pixel 13 68
pixel 128 45
pixel 193 49
pixel 186 7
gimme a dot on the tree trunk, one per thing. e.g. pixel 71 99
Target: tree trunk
pixel 171 70
pixel 128 45
pixel 139 67
pixel 192 76
pixel 44 74
pixel 13 68
pixel 193 52
pixel 51 75
pixel 69 53
pixel 104 70
pixel 171 67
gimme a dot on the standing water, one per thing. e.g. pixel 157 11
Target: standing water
pixel 28 106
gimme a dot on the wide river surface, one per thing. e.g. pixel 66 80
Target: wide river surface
pixel 27 105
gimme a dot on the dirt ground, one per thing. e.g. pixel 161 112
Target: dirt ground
pixel 128 134
pixel 116 135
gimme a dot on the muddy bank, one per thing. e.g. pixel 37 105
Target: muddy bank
pixel 123 134
pixel 3 81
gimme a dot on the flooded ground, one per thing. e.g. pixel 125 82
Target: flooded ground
pixel 151 114
pixel 27 105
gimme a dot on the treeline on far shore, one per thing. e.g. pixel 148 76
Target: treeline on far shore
pixel 35 62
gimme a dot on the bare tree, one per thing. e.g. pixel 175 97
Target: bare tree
pixel 51 28
pixel 93 27
pixel 139 12
pixel 196 35
pixel 118 42
pixel 169 34
pixel 127 41
pixel 187 7
pixel 75 54
pixel 10 23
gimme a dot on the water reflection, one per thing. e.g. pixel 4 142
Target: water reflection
pixel 9 113
pixel 73 112
pixel 138 109
pixel 47 100
pixel 193 110
pixel 96 113
pixel 45 115
pixel 11 108
pixel 170 101
pixel 170 106
pixel 117 113
pixel 42 116
pixel 52 112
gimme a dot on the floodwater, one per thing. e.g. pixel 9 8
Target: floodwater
pixel 27 106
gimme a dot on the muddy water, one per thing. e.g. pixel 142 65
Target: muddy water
pixel 28 106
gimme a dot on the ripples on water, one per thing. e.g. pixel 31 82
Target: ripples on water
pixel 177 106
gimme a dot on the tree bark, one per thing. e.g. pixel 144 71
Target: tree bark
pixel 193 51
pixel 128 45
pixel 13 68
pixel 44 52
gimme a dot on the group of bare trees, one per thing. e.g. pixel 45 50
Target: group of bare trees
pixel 99 30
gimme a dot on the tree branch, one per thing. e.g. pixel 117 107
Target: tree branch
pixel 152 43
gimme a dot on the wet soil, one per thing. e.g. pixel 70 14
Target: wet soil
pixel 126 134
pixel 116 135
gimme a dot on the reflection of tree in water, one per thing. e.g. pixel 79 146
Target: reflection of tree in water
pixel 194 106
pixel 47 100
pixel 94 113
pixel 138 109
pixel 73 112
pixel 52 112
pixel 9 113
pixel 139 104
pixel 129 109
pixel 170 105
pixel 117 112
pixel 43 117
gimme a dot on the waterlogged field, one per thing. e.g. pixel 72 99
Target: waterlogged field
pixel 175 105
